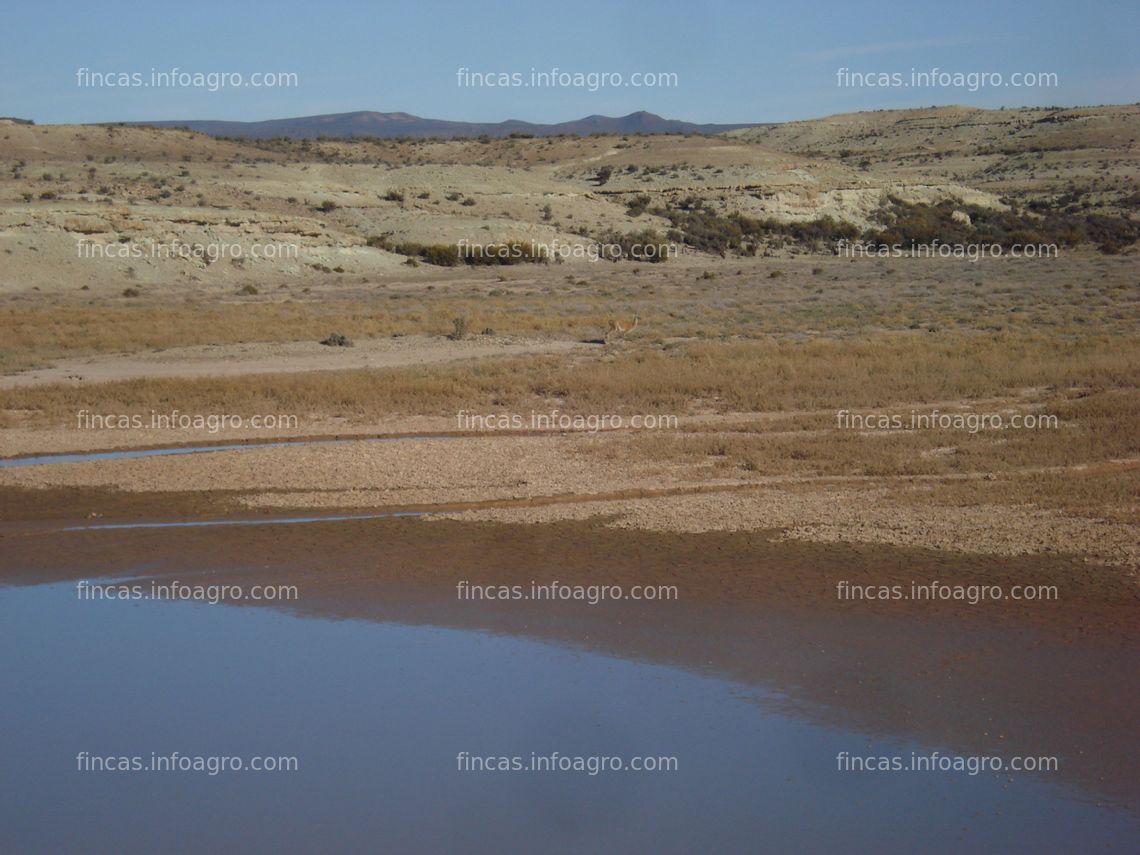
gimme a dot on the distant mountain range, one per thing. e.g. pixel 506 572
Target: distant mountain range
pixel 388 125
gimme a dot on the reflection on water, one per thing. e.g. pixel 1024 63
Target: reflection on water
pixel 376 714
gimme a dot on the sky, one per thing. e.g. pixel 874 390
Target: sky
pixel 719 60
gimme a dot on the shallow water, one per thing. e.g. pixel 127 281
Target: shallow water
pixel 85 457
pixel 259 521
pixel 376 714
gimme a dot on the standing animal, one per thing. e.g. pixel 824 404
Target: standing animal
pixel 621 327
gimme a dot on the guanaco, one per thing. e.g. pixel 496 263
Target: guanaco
pixel 617 325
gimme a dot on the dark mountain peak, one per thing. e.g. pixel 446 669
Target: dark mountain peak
pixel 369 123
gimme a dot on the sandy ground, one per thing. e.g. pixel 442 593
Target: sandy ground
pixel 550 478
pixel 234 360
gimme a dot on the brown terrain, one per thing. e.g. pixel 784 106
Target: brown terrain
pixel 753 339
pixel 742 457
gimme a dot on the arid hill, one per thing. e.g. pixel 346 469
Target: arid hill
pixel 93 205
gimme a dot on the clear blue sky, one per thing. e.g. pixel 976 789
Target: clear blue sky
pixel 735 60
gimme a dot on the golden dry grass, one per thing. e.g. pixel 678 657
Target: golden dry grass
pixel 1063 299
pixel 744 376
pixel 1091 384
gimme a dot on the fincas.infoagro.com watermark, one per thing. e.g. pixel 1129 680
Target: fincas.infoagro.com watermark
pixel 971 252
pixel 558 591
pixel 555 420
pixel 175 590
pixel 560 251
pixel 936 77
pixel 206 252
pixel 176 420
pixel 935 761
pixel 591 81
pixel 943 592
pixel 592 764
pixel 176 761
pixel 176 78
pixel 935 420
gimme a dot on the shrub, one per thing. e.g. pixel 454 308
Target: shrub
pixel 906 223
pixel 708 231
pixel 441 254
pixel 458 328
pixel 644 245
pixel 636 206
pixel 512 252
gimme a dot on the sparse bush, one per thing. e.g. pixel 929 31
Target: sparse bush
pixel 636 206
pixel 458 328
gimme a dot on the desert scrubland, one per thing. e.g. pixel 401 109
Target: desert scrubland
pixel 151 271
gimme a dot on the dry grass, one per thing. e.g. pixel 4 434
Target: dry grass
pixel 1063 299
pixel 1090 384
pixel 749 376
pixel 1091 430
pixel 1109 494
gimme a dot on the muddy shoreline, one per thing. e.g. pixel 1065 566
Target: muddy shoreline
pixel 750 567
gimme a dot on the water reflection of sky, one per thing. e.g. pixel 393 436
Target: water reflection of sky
pixel 376 714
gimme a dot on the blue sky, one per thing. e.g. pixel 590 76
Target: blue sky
pixel 734 61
